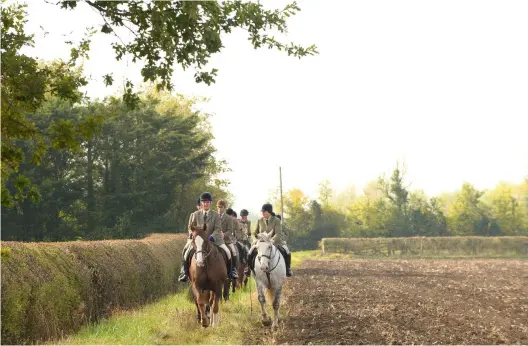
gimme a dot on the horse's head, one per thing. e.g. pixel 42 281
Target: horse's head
pixel 264 250
pixel 200 244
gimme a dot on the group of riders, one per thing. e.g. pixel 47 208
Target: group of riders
pixel 233 235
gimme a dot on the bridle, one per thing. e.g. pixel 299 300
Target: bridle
pixel 205 255
pixel 269 257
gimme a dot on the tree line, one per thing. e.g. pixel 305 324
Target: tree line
pixel 141 173
pixel 73 168
pixel 388 208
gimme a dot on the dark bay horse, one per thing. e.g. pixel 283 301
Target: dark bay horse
pixel 208 272
pixel 242 280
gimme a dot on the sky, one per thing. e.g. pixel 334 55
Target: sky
pixel 440 85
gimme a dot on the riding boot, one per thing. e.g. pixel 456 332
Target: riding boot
pixel 234 265
pixel 250 262
pixel 184 272
pixel 229 268
pixel 287 259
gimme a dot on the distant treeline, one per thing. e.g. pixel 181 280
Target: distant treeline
pixel 387 208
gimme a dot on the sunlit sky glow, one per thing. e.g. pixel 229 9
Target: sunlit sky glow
pixel 442 85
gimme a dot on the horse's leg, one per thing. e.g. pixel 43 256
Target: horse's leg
pixel 262 300
pixel 226 286
pixel 198 313
pixel 276 306
pixel 201 307
pixel 216 303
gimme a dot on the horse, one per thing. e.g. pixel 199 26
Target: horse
pixel 242 280
pixel 269 274
pixel 242 264
pixel 208 272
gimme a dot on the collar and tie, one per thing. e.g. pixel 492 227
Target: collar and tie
pixel 205 216
pixel 266 221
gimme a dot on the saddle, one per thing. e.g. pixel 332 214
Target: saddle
pixel 222 252
pixel 242 250
pixel 251 259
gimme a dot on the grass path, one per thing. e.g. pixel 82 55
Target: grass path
pixel 172 320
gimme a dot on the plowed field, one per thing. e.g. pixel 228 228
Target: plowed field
pixel 404 302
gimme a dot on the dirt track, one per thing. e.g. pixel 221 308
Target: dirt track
pixel 406 302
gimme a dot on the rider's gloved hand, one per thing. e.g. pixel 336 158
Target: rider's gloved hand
pixel 211 238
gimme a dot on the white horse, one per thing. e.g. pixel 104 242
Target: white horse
pixel 270 273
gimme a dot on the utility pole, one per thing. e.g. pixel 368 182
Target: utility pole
pixel 282 205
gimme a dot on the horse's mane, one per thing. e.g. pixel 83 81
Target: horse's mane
pixel 265 237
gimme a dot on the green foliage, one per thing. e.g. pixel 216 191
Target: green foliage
pixel 140 174
pixel 26 83
pixel 165 34
pixel 388 208
pixel 187 33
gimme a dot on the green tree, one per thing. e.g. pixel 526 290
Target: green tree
pixel 187 33
pixel 165 34
pixel 26 83
pixel 398 195
pixel 467 215
pixel 325 193
pixel 506 209
pixel 131 179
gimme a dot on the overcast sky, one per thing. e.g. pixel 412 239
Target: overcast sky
pixel 442 85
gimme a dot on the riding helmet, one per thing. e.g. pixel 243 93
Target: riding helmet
pixel 244 212
pixel 206 196
pixel 267 207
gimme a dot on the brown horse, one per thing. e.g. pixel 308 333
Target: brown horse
pixel 242 279
pixel 208 272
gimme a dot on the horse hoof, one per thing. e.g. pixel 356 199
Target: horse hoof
pixel 266 323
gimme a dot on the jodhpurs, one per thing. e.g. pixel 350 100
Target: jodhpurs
pixel 225 248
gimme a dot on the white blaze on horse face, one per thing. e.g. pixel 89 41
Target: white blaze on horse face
pixel 199 254
pixel 263 249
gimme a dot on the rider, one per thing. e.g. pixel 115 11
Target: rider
pixel 227 232
pixel 270 224
pixel 214 232
pixel 239 236
pixel 246 225
pixel 284 247
pixel 183 276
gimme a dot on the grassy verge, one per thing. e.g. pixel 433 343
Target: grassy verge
pixel 172 320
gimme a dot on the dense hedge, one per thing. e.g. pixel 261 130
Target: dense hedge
pixel 428 246
pixel 51 289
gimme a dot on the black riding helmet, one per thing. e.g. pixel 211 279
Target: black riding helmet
pixel 229 211
pixel 267 207
pixel 244 212
pixel 206 196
